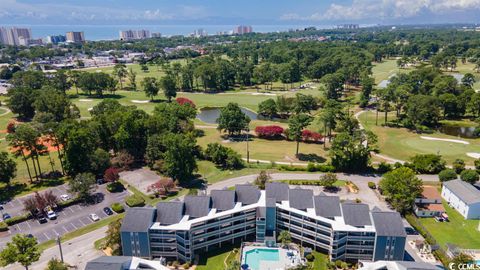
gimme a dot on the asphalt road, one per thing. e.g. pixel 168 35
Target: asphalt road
pixel 69 219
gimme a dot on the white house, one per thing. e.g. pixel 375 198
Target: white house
pixel 429 203
pixel 463 197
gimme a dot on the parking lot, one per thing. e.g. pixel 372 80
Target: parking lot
pixel 69 219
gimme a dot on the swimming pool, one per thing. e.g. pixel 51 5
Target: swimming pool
pixel 255 256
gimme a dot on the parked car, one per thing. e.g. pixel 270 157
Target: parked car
pixel 51 214
pixel 439 219
pixel 1 206
pixel 41 219
pixel 410 231
pixel 108 211
pixel 30 235
pixel 6 216
pixel 100 181
pixel 94 217
pixel 65 197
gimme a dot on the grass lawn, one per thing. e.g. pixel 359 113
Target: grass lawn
pixel 401 143
pixel 467 68
pixel 320 262
pixel 386 69
pixel 338 183
pixel 262 149
pixel 213 174
pixel 215 259
pixel 461 232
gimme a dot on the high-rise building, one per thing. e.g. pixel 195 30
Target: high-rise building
pixel 156 35
pixel 134 34
pixel 243 29
pixel 75 37
pixel 55 39
pixel 199 33
pixel 15 36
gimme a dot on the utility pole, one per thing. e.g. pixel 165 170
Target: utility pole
pixel 59 242
pixel 248 152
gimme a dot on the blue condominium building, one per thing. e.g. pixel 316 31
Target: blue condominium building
pixel 347 231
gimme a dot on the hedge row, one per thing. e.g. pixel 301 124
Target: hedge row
pixel 18 219
pixel 311 167
pixel 3 226
pixel 117 207
pixel 68 203
pixel 135 201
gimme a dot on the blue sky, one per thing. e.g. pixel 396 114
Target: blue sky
pixel 305 12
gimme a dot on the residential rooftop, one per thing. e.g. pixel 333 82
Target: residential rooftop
pixel 463 190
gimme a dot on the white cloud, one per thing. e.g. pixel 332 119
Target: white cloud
pixel 384 9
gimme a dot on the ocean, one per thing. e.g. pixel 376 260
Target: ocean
pixel 110 32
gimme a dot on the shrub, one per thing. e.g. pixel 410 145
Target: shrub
pixel 311 136
pixel 111 175
pixel 477 164
pixel 428 163
pixel 269 131
pixel 186 265
pixel 68 203
pixel 11 127
pixel 162 186
pixel 115 187
pixel 384 167
pixel 18 219
pixel 447 174
pixel 183 101
pixel 123 160
pixel 470 176
pixel 312 167
pixel 291 168
pixel 372 185
pixel 135 201
pixel 458 165
pixel 309 257
pixel 3 226
pixel 117 207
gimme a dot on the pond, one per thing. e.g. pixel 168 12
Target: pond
pixel 210 115
pixel 463 132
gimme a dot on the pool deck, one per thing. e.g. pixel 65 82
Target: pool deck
pixel 284 261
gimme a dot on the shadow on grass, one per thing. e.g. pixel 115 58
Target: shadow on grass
pixel 226 248
pixel 7 193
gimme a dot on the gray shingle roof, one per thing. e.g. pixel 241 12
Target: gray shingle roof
pixel 463 190
pixel 138 219
pixel 408 265
pixel 109 263
pixel 356 214
pixel 223 199
pixel 300 198
pixel 327 206
pixel 247 194
pixel 197 206
pixel 388 223
pixel 277 190
pixel 170 212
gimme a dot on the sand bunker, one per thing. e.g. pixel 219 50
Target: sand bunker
pixel 141 101
pixel 474 155
pixel 263 94
pixel 445 140
pixel 85 100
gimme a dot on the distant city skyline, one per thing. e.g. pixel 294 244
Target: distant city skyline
pixel 211 12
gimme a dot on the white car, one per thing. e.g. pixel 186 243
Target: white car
pixel 51 214
pixel 65 197
pixel 94 217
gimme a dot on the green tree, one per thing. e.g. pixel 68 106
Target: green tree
pixel 21 249
pixel 151 87
pixel 83 185
pixel 267 108
pixel 328 180
pixel 351 152
pixel 284 237
pixel 169 86
pixel 458 165
pixel 20 101
pixel 428 163
pixel 304 103
pixel 401 186
pixel 232 119
pixel 120 71
pixel 469 176
pixel 56 104
pixel 461 259
pixel 8 168
pixel 112 237
pixel 447 175
pixel 468 79
pixel 423 110
pixel 334 85
pixel 262 179
pixel 296 124
pixel 132 77
pixel 100 161
pixel 223 156
pixel 473 106
pixel 179 160
pixel 55 264
pixel 367 88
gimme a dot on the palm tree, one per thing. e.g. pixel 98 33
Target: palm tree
pixel 120 71
pixel 284 237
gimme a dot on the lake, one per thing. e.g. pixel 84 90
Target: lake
pixel 210 115
pixel 463 132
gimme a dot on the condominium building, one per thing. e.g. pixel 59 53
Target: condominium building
pixel 75 37
pixel 156 35
pixel 178 230
pixel 243 29
pixel 55 39
pixel 15 36
pixel 134 34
